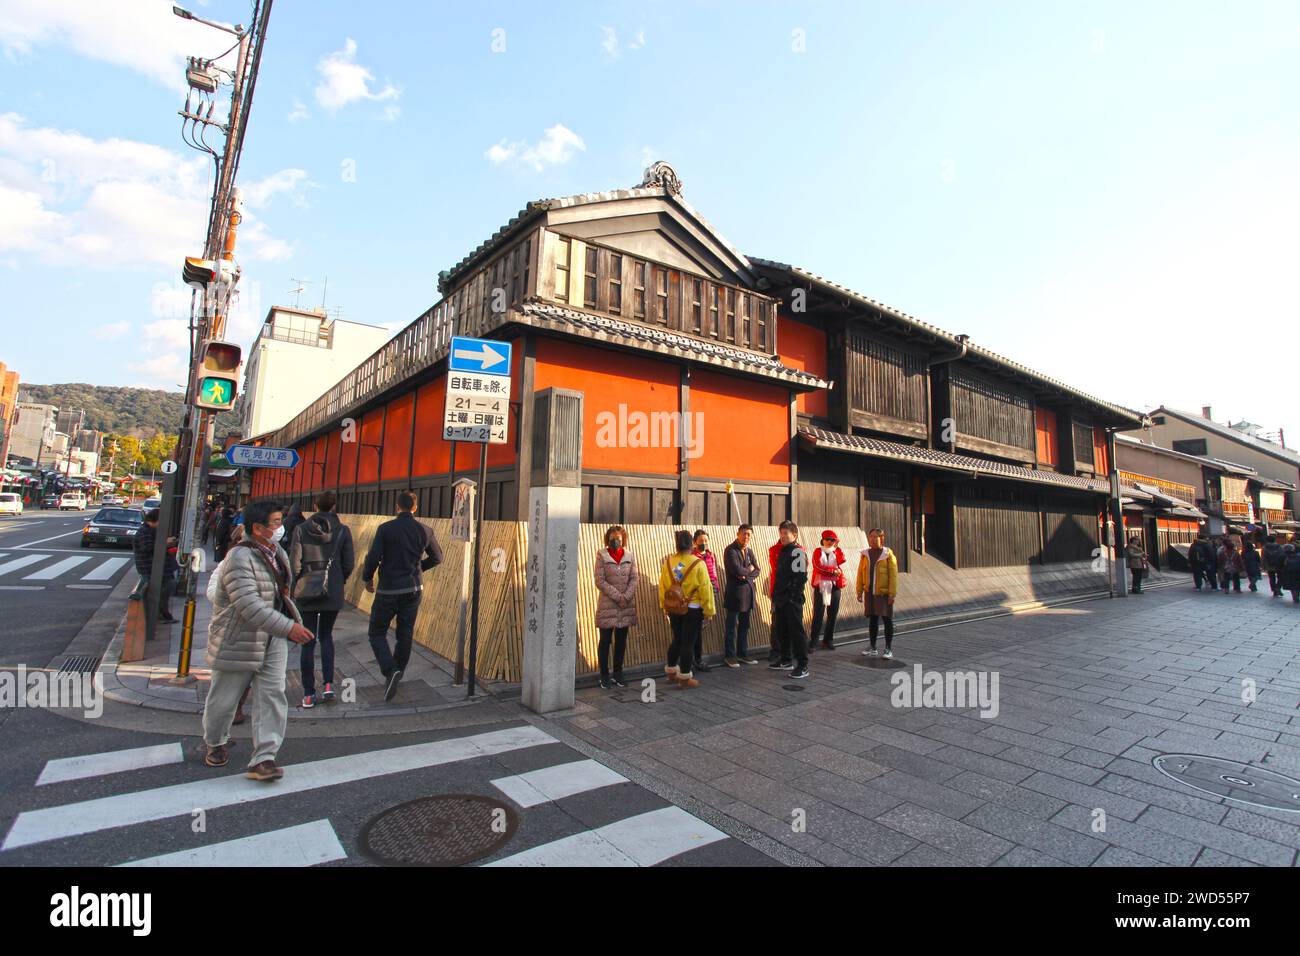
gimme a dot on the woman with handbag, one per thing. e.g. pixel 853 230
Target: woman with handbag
pixel 322 559
pixel 1136 557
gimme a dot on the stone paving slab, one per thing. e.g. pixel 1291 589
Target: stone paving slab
pixel 1089 694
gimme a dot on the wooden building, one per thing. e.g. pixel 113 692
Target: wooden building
pixel 702 366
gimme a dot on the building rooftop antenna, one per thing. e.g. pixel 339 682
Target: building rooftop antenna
pixel 297 293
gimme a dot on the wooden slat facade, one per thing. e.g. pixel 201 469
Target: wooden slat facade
pixel 992 412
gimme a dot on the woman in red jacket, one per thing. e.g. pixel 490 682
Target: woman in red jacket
pixel 827 582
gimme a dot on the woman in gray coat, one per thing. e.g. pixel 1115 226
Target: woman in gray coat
pixel 616 576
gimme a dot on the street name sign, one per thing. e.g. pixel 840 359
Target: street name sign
pixel 260 456
pixel 477 407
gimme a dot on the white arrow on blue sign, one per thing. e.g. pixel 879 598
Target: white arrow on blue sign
pixel 259 456
pixel 484 356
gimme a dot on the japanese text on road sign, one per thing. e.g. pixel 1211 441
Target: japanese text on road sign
pixel 477 407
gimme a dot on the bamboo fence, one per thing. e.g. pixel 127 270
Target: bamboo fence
pixel 503 557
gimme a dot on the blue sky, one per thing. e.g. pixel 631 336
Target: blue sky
pixel 1107 192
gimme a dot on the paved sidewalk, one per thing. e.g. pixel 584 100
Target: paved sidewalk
pixel 1089 694
pixel 426 685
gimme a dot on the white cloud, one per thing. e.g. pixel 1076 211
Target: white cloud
pixel 112 330
pixel 116 203
pixel 609 41
pixel 344 81
pixel 638 42
pixel 557 145
pixel 167 333
pixel 299 112
pixel 140 35
pixel 163 371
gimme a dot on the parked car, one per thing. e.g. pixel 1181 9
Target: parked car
pixel 154 502
pixel 113 526
pixel 10 504
pixel 110 500
pixel 50 501
pixel 72 501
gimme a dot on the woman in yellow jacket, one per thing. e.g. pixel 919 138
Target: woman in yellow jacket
pixel 877 588
pixel 687 570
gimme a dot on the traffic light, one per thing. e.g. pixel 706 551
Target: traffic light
pixel 218 375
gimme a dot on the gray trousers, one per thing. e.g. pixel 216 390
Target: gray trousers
pixel 270 705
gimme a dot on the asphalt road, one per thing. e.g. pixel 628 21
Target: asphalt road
pixel 49 584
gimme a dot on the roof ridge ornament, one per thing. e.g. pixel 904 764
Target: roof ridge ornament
pixel 663 175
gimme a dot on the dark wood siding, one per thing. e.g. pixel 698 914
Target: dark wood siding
pixel 1083 444
pixel 884 380
pixel 1070 531
pixel 996 527
pixel 991 411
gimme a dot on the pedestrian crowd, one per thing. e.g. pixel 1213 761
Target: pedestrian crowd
pixel 1220 564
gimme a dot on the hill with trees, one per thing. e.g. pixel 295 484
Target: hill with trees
pixel 138 412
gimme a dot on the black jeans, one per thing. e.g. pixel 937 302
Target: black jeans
pixel 1275 582
pixel 686 634
pixel 873 628
pixel 794 644
pixel 829 613
pixel 1137 579
pixel 320 623
pixel 1224 578
pixel 1200 576
pixel 165 596
pixel 736 634
pixel 778 636
pixel 386 606
pixel 619 636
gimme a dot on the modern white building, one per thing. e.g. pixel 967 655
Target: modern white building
pixel 33 430
pixel 299 354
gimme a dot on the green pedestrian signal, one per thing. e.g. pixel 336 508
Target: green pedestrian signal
pixel 216 392
pixel 218 375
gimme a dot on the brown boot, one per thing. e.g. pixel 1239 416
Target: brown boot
pixel 265 771
pixel 686 682
pixel 671 672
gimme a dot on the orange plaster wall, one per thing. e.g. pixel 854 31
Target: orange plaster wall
pixel 804 347
pixel 746 428
pixel 397 437
pixel 607 380
pixel 333 450
pixel 369 432
pixel 432 454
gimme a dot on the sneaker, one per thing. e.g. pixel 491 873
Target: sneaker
pixel 605 684
pixel 869 652
pixel 799 673
pixel 617 680
pixel 390 688
pixel 748 660
pixel 702 667
pixel 731 662
pixel 308 701
pixel 266 771
pixel 786 666
pixel 774 666
pixel 888 653
pixel 216 756
pixel 327 695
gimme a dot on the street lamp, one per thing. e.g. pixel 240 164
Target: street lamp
pixel 237 30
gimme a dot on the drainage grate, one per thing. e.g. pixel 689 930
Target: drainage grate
pixel 81 664
pixel 880 663
pixel 1232 780
pixel 446 830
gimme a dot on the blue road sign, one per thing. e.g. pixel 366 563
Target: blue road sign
pixel 259 456
pixel 483 356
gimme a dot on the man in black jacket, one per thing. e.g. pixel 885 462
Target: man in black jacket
pixel 787 601
pixel 742 571
pixel 1202 559
pixel 142 550
pixel 402 551
pixel 1273 558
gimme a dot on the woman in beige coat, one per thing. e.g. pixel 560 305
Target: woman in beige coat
pixel 615 573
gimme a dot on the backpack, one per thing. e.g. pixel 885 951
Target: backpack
pixel 675 601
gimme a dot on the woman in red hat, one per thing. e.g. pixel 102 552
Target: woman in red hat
pixel 827 582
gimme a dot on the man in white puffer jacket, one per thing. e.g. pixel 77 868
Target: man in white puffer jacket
pixel 253 619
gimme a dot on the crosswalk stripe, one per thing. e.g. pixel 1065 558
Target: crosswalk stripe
pixel 105 570
pixel 117 761
pixel 90 816
pixel 556 783
pixel 306 844
pixel 22 562
pixel 642 840
pixel 54 570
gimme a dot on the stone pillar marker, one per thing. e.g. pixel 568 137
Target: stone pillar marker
pixel 550 624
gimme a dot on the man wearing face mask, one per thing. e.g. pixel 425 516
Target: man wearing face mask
pixel 253 620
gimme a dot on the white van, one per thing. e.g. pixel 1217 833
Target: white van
pixel 72 500
pixel 11 504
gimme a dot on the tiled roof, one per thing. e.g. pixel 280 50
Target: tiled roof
pixel 621 332
pixel 974 467
pixel 939 334
pixel 1248 441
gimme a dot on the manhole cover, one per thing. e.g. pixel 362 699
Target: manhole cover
pixel 799 687
pixel 447 830
pixel 1239 782
pixel 880 663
